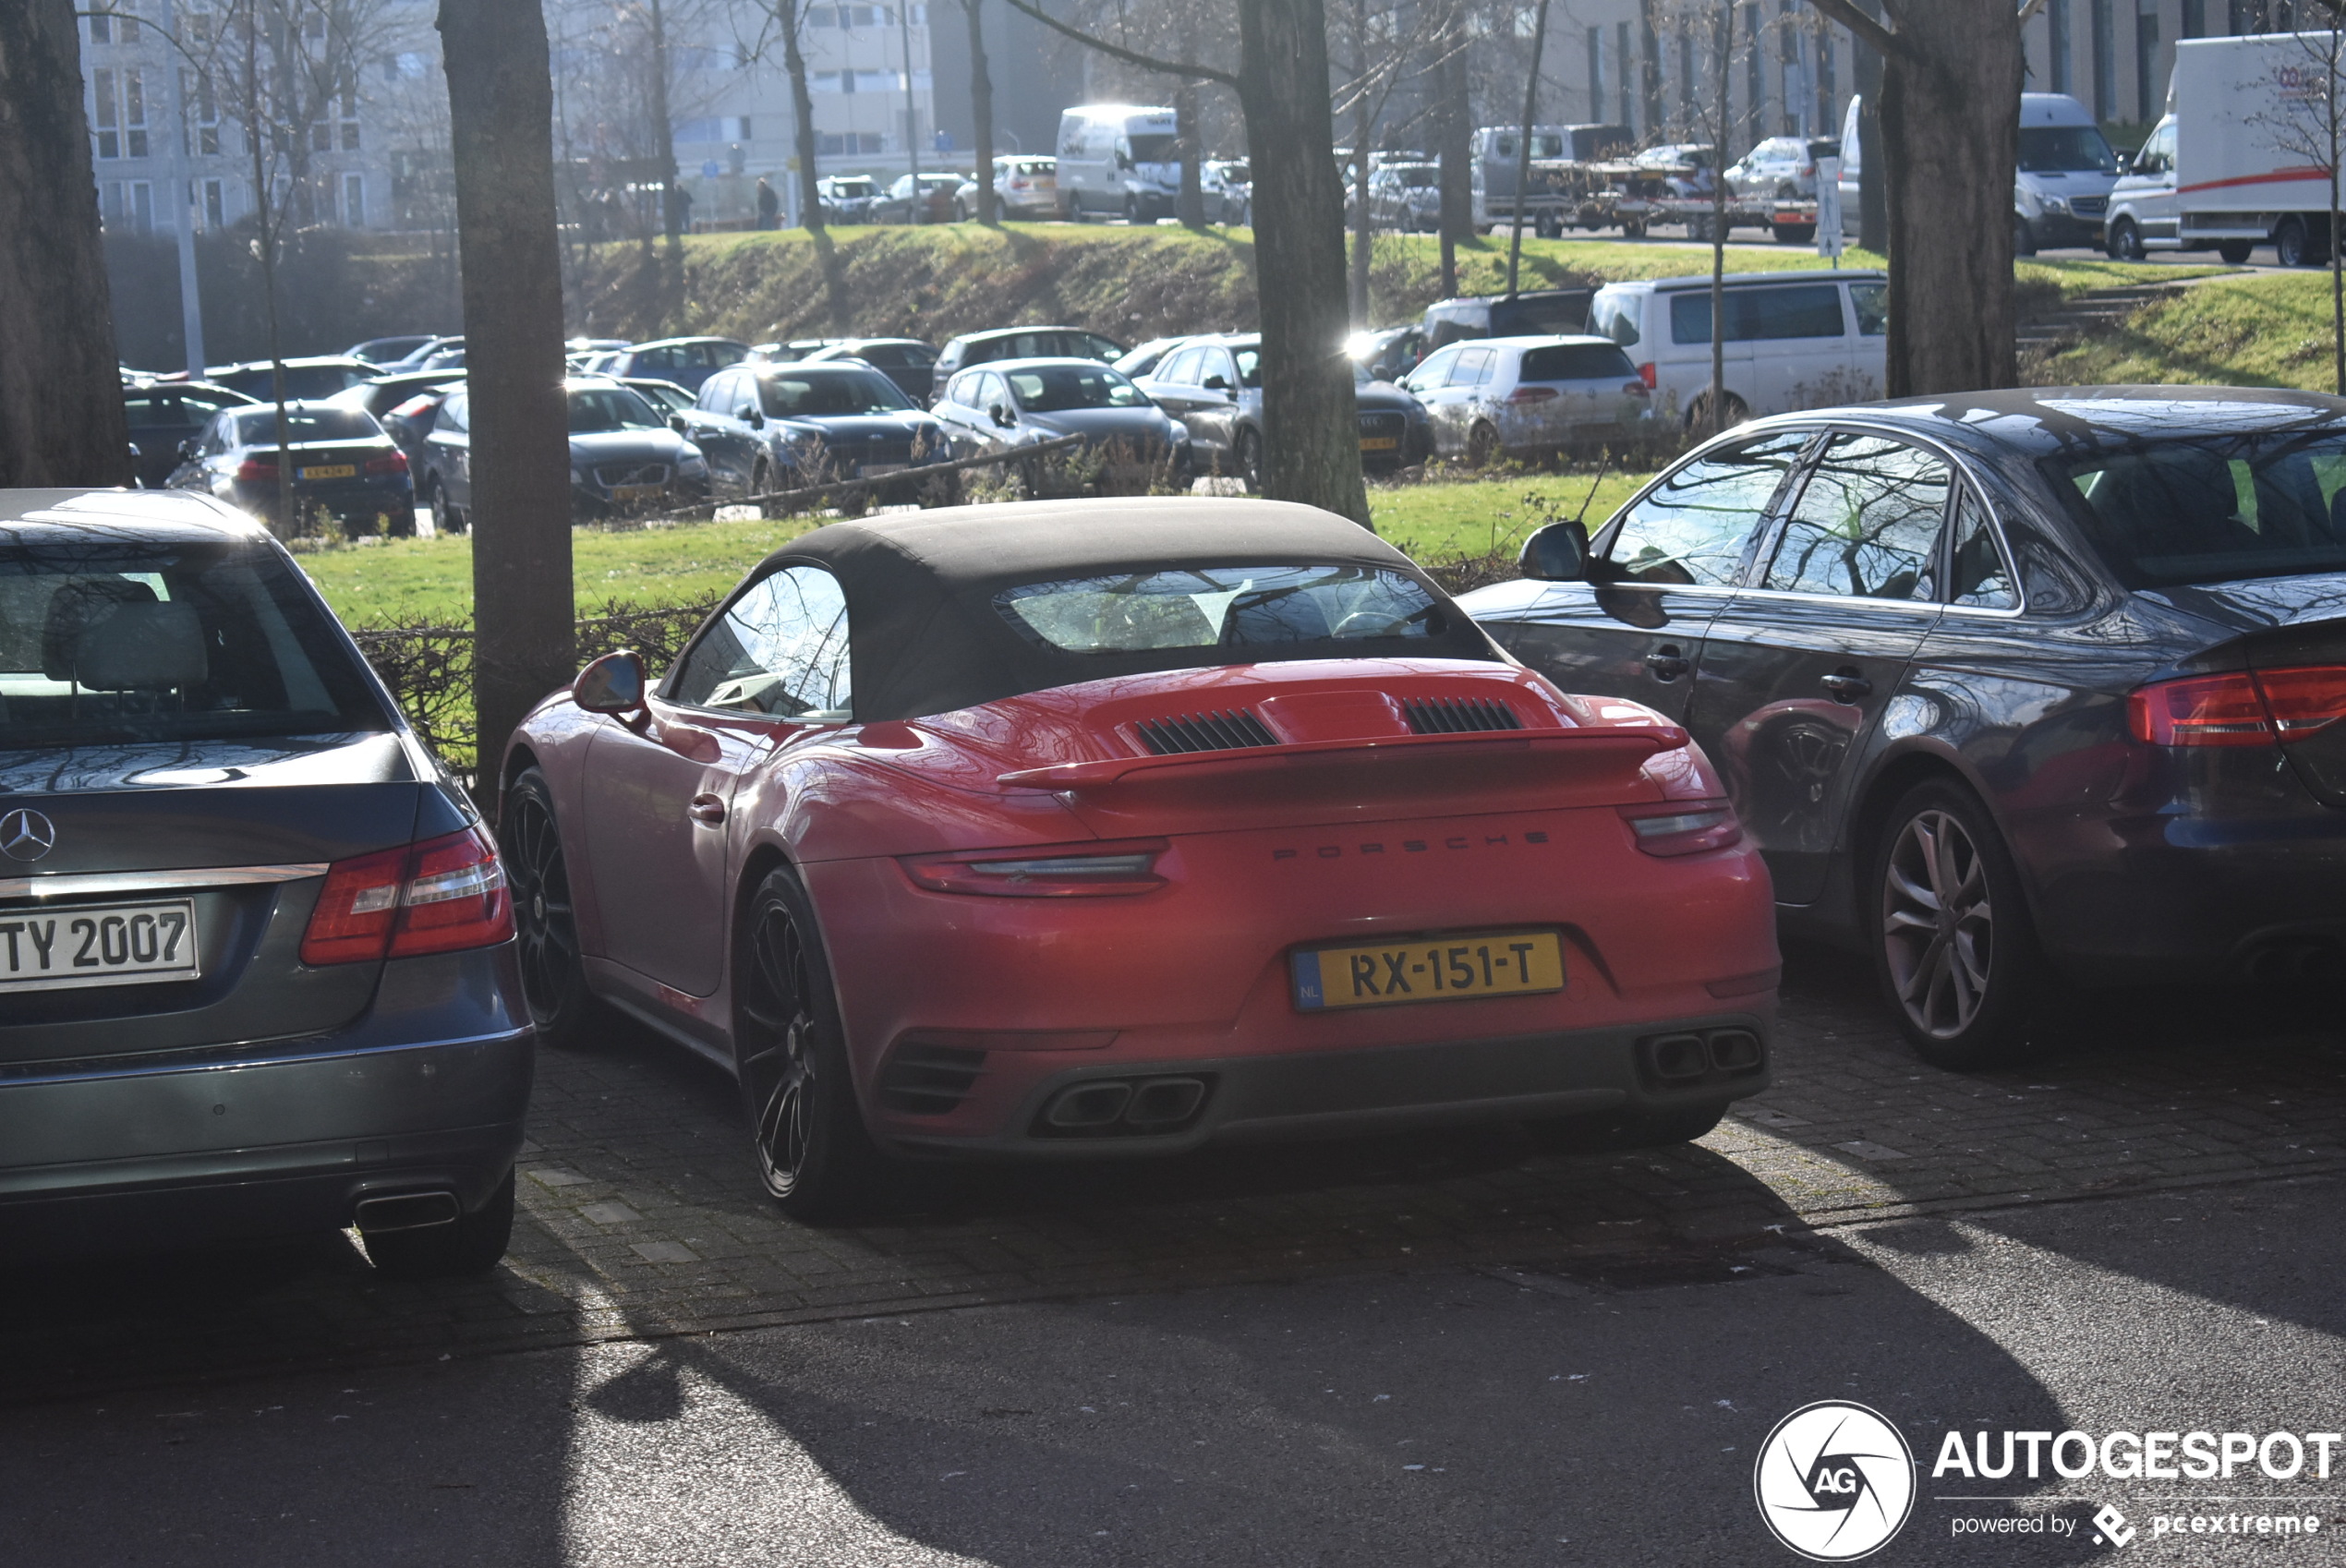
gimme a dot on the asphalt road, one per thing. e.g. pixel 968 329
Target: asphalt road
pixel 1475 1415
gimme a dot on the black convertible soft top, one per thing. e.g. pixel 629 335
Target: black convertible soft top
pixel 926 637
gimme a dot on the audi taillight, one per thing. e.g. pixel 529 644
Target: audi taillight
pixel 1683 827
pixel 253 471
pixel 437 896
pixel 1058 871
pixel 2245 708
pixel 388 463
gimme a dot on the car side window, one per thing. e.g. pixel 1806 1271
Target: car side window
pixel 454 415
pixel 1871 302
pixel 1806 310
pixel 1693 527
pixel 1182 368
pixel 992 394
pixel 780 648
pixel 1433 369
pixel 1866 522
pixel 1473 367
pixel 1979 576
pixel 711 391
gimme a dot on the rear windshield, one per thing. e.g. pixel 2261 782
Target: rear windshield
pixel 104 641
pixel 1576 362
pixel 611 408
pixel 1225 607
pixel 319 424
pixel 1053 389
pixel 2212 510
pixel 301 380
pixel 812 393
pixel 1564 313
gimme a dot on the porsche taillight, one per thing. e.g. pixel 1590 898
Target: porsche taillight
pixel 2243 707
pixel 1683 827
pixel 440 896
pixel 1056 871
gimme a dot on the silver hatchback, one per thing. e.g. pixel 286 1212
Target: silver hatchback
pixel 1488 398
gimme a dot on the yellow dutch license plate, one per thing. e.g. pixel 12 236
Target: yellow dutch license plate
pixel 1379 443
pixel 330 471
pixel 629 494
pixel 1446 969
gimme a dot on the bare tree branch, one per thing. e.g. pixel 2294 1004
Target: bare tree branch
pixel 1874 34
pixel 1130 57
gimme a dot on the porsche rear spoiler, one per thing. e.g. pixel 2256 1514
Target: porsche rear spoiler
pixel 1592 754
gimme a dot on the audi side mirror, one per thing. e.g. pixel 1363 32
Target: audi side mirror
pixel 613 683
pixel 1557 553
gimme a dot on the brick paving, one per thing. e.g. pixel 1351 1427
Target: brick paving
pixel 642 1217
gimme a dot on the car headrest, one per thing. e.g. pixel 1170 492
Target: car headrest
pixel 142 648
pixel 75 607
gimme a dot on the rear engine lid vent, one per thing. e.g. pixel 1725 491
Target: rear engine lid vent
pixel 929 1081
pixel 1225 731
pixel 1459 716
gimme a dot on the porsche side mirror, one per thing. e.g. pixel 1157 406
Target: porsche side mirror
pixel 676 422
pixel 1557 553
pixel 613 683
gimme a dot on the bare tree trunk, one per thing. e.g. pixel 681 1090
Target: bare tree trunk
pixel 1717 395
pixel 1648 71
pixel 1523 151
pixel 810 199
pixel 61 419
pixel 671 195
pixel 1454 130
pixel 1363 127
pixel 1312 438
pixel 2336 283
pixel 266 230
pixel 1949 134
pixel 501 117
pixel 1190 206
pixel 1873 184
pixel 981 110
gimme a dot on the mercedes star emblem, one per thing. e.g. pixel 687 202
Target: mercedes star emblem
pixel 26 835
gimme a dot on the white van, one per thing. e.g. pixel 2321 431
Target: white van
pixel 1119 160
pixel 1794 340
pixel 2060 187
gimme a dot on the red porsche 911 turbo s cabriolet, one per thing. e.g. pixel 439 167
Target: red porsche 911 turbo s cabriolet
pixel 1072 828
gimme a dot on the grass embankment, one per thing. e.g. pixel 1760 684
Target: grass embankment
pixel 429 582
pixel 935 281
pixel 2260 330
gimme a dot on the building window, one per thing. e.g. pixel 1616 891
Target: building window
pixel 134 113
pixel 2105 60
pixel 142 207
pixel 2064 62
pixel 354 202
pixel 215 206
pixel 350 122
pixel 101 28
pixel 105 114
pixel 1755 72
pixel 2147 93
pixel 128 28
pixel 2194 19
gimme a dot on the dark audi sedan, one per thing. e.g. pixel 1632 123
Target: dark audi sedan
pixel 2011 688
pixel 257 967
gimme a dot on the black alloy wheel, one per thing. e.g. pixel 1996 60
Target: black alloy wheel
pixel 1483 447
pixel 2125 241
pixel 553 975
pixel 445 517
pixel 813 1154
pixel 1954 947
pixel 1248 457
pixel 471 1243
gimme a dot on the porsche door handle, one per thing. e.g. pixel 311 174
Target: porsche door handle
pixel 1667 663
pixel 705 808
pixel 1846 686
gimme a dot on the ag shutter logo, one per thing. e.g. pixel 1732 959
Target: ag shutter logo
pixel 1834 1481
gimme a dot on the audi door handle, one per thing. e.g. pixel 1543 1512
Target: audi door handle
pixel 1846 686
pixel 705 808
pixel 1666 663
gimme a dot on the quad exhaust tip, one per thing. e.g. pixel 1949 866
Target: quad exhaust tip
pixel 408 1210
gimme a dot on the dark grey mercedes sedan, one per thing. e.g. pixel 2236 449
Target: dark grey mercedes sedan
pixel 256 971
pixel 2011 688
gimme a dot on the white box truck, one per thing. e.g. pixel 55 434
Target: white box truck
pixel 2226 168
pixel 1120 160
